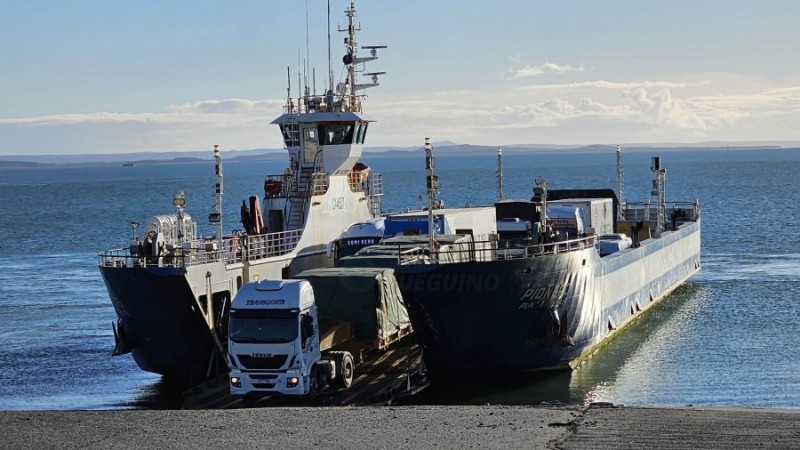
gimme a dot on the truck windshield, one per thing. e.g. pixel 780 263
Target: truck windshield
pixel 264 326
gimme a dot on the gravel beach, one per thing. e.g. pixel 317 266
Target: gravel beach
pixel 596 427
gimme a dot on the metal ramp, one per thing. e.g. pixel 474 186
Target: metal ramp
pixel 397 374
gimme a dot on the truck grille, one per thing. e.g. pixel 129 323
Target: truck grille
pixel 264 381
pixel 272 363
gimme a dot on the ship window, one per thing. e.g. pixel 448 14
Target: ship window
pixel 362 133
pixel 291 135
pixel 309 144
pixel 335 134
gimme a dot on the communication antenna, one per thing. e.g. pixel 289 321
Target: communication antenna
pixel 433 186
pixel 299 77
pixel 215 217
pixel 308 54
pixel 330 70
pixel 620 215
pixel 288 82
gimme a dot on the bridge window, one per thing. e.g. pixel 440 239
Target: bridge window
pixel 362 133
pixel 336 133
pixel 291 135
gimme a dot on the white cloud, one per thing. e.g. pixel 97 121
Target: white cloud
pixel 218 112
pixel 232 123
pixel 542 69
pixel 602 84
pixel 581 112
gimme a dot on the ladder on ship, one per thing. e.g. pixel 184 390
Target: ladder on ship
pixel 298 197
pixel 376 194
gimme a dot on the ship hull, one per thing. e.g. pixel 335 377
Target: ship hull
pixel 159 322
pixel 479 319
pixel 162 312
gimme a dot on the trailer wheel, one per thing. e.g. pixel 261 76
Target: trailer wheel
pixel 346 369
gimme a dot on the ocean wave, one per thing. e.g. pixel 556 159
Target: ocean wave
pixel 727 267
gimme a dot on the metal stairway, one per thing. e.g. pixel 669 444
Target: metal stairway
pixel 298 196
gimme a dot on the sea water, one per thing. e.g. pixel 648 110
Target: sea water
pixel 728 337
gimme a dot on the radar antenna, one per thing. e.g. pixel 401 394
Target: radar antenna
pixel 355 63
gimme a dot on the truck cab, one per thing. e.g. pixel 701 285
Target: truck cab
pixel 569 222
pixel 515 236
pixel 273 338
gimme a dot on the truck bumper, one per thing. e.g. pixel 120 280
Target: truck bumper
pixel 243 383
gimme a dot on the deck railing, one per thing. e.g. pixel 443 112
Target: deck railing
pixel 682 211
pixel 490 251
pixel 236 249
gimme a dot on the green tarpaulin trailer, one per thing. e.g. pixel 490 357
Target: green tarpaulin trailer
pixel 367 297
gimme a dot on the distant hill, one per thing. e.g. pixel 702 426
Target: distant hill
pixel 19 164
pixel 443 148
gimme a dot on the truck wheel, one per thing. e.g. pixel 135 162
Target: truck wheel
pixel 346 370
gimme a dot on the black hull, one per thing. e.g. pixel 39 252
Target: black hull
pixel 480 319
pixel 473 323
pixel 161 324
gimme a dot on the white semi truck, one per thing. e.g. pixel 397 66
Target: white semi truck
pixel 284 339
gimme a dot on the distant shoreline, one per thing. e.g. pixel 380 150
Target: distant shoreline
pixel 276 155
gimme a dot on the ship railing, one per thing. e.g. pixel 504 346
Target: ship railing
pixel 188 253
pixel 682 212
pixel 268 245
pixel 309 103
pixel 416 255
pixel 236 249
pixel 357 180
pixel 319 183
pixel 489 251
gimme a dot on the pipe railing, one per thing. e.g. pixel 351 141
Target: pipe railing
pixel 236 249
pixel 489 251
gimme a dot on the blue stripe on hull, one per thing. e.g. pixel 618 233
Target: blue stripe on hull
pixel 481 318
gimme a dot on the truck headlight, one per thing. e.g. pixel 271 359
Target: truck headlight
pixel 292 382
pixel 236 382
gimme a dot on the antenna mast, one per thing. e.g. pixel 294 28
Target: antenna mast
pixel 500 174
pixel 330 70
pixel 620 215
pixel 433 186
pixel 352 61
pixel 307 66
pixel 216 217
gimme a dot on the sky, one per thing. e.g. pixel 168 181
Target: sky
pixel 92 76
